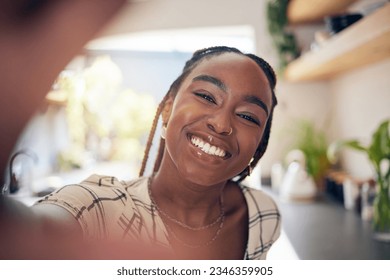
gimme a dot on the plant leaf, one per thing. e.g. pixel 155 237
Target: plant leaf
pixel 380 145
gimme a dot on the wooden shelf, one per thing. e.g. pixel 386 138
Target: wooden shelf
pixel 367 41
pixel 303 11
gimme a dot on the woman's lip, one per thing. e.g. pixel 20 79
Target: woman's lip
pixel 227 154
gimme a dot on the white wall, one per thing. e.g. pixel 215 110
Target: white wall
pixel 173 14
pixel 296 101
pixel 361 100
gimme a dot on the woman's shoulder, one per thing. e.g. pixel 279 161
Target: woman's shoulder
pixel 97 188
pixel 96 180
pixel 264 222
pixel 103 205
pixel 104 182
pixel 134 189
pixel 258 198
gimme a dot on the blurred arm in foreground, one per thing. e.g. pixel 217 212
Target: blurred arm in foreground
pixel 37 40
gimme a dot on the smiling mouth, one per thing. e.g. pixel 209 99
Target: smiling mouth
pixel 208 148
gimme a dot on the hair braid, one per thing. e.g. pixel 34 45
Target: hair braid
pixel 151 135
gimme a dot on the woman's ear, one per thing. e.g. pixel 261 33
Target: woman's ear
pixel 166 112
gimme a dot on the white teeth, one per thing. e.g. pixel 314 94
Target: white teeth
pixel 220 152
pixel 207 147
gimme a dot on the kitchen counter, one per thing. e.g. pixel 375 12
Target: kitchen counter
pixel 325 230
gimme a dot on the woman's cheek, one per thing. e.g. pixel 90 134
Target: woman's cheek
pixel 250 143
pixel 185 113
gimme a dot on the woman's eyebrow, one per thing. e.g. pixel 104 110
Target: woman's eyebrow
pixel 215 81
pixel 257 101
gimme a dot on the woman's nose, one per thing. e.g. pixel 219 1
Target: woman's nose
pixel 220 123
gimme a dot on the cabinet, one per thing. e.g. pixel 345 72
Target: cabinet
pixel 364 42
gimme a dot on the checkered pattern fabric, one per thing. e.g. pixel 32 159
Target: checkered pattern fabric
pixel 108 208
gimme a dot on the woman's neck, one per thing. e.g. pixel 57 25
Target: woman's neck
pixel 184 200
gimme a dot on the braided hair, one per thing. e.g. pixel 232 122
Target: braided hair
pixel 194 61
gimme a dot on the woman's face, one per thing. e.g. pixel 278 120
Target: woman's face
pixel 217 119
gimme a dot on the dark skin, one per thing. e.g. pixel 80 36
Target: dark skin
pixel 216 104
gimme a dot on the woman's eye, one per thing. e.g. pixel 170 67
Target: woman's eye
pixel 207 97
pixel 249 118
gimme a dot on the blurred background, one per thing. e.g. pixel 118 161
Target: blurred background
pixel 333 64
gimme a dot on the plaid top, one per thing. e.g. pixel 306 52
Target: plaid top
pixel 108 208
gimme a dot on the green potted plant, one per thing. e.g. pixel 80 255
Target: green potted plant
pixel 378 152
pixel 313 143
pixel 282 38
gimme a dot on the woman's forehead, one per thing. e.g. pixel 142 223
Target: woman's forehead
pixel 230 63
pixel 232 67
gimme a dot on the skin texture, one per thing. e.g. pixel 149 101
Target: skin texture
pixel 212 101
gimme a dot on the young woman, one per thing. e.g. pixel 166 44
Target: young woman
pixel 216 120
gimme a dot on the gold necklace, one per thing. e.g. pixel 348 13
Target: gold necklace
pixel 195 246
pixel 221 219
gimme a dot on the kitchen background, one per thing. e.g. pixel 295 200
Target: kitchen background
pixel 97 116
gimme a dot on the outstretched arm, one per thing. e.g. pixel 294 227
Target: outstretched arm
pixel 40 232
pixel 37 40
